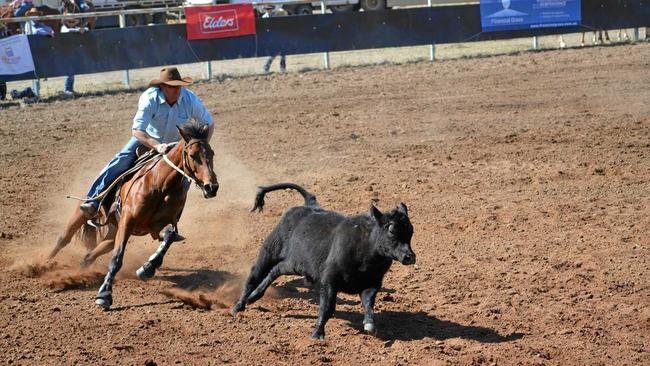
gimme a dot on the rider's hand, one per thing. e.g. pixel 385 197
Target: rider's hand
pixel 161 148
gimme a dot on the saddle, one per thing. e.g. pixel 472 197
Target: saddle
pixel 110 203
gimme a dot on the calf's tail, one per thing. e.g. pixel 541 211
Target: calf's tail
pixel 310 199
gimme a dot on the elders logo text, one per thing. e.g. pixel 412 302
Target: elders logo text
pixel 219 21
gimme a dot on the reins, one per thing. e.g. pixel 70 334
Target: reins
pixel 191 178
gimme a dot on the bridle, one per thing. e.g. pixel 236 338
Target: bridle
pixel 190 176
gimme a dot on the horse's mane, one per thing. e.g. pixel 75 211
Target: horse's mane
pixel 195 130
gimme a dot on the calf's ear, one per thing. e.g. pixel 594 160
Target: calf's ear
pixel 402 208
pixel 374 212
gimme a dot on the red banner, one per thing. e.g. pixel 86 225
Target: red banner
pixel 219 21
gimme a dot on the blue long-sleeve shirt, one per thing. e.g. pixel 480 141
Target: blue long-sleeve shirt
pixel 159 120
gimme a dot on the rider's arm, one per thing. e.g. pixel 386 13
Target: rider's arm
pixel 145 139
pixel 143 117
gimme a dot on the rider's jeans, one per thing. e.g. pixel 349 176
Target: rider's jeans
pixel 120 163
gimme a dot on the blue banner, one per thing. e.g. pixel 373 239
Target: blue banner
pixel 504 15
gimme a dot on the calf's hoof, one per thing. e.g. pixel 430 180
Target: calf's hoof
pixel 146 271
pixel 370 328
pixel 237 308
pixel 318 335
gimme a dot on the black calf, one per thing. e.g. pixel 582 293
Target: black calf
pixel 335 252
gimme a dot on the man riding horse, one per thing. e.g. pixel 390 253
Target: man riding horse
pixel 162 107
pixel 151 196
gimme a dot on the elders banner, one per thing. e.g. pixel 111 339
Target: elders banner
pixel 15 55
pixel 219 21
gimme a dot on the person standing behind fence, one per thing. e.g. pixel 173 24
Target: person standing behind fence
pixel 269 12
pixel 21 7
pixel 38 28
pixel 3 86
pixel 71 26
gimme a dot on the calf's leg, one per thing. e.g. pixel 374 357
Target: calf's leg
pixel 368 300
pixel 325 310
pixel 259 271
pixel 280 269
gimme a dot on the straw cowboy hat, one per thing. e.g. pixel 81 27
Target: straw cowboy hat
pixel 170 76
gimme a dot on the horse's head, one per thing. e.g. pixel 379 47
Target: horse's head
pixel 198 157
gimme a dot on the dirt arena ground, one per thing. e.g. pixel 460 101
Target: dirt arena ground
pixel 526 177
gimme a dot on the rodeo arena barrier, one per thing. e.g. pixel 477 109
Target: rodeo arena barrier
pixel 231 31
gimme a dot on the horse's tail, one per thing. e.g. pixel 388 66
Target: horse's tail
pixel 310 199
pixel 88 236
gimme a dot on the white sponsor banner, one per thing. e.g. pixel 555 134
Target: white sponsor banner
pixel 15 55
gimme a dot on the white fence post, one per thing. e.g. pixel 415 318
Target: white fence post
pixel 127 81
pixel 432 47
pixel 637 36
pixel 326 55
pixel 535 42
pixel 36 83
pixel 208 70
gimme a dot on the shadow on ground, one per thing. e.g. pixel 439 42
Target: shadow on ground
pixel 407 326
pixel 191 279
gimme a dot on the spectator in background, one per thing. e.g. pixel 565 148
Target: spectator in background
pixel 271 11
pixel 71 26
pixel 21 7
pixel 3 86
pixel 38 28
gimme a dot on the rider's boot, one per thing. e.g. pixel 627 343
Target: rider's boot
pixel 89 209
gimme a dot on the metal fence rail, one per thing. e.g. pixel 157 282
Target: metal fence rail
pixel 139 47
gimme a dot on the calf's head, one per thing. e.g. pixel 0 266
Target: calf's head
pixel 393 234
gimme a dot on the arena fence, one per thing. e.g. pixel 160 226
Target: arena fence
pixel 148 46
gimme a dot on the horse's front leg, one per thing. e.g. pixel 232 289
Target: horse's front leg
pixel 148 269
pixel 104 296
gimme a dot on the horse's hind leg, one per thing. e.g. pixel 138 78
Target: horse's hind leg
pixel 104 296
pixel 104 247
pixel 76 221
pixel 101 249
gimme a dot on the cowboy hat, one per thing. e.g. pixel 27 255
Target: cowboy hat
pixel 33 12
pixel 170 76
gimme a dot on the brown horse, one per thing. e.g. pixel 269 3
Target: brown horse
pixel 14 28
pixel 147 202
pixel 70 7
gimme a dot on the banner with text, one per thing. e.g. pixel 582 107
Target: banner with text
pixel 219 21
pixel 504 15
pixel 15 55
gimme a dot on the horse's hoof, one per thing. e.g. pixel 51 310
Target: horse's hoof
pixel 104 303
pixel 84 263
pixel 145 272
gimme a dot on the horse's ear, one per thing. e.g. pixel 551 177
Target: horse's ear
pixel 204 131
pixel 182 134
